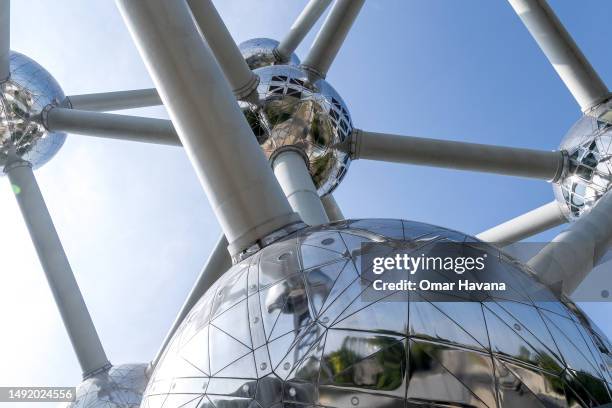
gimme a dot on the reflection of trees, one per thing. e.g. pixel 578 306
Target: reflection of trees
pixel 309 369
pixel 550 364
pixel 378 363
pixel 545 362
pixel 579 382
pixel 420 359
pixel 587 386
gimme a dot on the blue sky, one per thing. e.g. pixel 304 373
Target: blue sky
pixel 136 225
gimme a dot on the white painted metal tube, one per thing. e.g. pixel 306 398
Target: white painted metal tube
pixel 332 209
pixel 232 169
pixel 547 165
pixel 566 58
pixel 295 180
pixel 305 21
pixel 217 264
pixel 331 36
pixel 5 39
pixel 566 261
pixel 220 41
pixel 525 225
pixel 62 282
pixel 113 101
pixel 112 126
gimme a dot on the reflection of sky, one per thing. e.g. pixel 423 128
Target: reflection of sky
pixel 137 227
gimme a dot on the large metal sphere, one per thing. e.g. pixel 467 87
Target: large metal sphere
pixel 259 52
pixel 292 110
pixel 288 327
pixel 119 387
pixel 589 175
pixel 29 89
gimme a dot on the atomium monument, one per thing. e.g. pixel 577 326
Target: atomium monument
pixel 277 317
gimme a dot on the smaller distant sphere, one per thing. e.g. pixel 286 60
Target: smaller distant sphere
pixel 259 52
pixel 589 174
pixel 120 386
pixel 294 110
pixel 29 89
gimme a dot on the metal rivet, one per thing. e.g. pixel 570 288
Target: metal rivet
pixel 517 326
pixel 355 401
pixel 287 366
pixel 263 366
pixel 328 241
pixel 292 392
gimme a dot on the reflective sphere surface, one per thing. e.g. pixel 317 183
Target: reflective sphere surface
pixel 589 176
pixel 22 98
pixel 294 111
pixel 287 327
pixel 119 387
pixel 259 52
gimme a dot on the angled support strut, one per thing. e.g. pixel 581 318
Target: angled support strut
pixel 62 282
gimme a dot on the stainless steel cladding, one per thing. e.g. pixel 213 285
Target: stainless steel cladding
pixel 23 97
pixel 292 110
pixel 589 172
pixel 289 327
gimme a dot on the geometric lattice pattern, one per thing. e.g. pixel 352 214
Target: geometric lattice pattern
pixel 119 387
pixel 23 97
pixel 293 110
pixel 589 174
pixel 288 327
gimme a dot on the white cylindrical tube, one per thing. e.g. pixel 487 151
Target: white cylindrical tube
pixel 66 292
pixel 334 213
pixel 512 161
pixel 231 166
pixel 220 41
pixel 307 18
pixel 533 222
pixel 112 101
pixel 111 126
pixel 331 36
pixel 295 180
pixel 567 260
pixel 566 58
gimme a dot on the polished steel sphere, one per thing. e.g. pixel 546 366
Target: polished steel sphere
pixel 259 52
pixel 288 327
pixel 292 110
pixel 589 172
pixel 118 387
pixel 29 89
